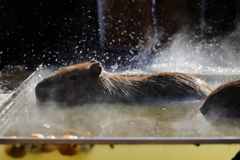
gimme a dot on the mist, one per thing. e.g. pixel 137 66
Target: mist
pixel 184 53
pixel 28 116
pixel 191 54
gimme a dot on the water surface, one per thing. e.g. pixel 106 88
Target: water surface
pixel 181 119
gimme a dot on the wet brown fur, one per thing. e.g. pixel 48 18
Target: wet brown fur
pixel 93 84
pixel 224 100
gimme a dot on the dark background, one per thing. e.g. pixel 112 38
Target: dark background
pixel 38 30
pixel 67 31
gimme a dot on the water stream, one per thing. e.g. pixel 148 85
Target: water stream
pixel 154 23
pixel 101 4
pixel 203 3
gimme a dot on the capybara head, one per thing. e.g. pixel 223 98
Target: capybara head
pixel 70 83
pixel 224 101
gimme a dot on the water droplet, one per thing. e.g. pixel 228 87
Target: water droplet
pixel 46 125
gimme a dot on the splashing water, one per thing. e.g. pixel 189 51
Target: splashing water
pixel 105 120
pixel 184 54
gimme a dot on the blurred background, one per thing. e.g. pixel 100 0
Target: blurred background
pixel 64 32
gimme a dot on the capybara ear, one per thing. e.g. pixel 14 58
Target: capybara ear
pixel 93 61
pixel 95 69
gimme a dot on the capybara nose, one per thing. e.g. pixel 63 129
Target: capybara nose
pixel 41 90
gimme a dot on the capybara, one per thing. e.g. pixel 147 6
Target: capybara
pixel 224 101
pixel 89 82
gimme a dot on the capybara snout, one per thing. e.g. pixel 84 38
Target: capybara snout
pixel 89 82
pixel 42 90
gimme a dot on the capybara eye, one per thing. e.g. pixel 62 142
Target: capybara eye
pixel 73 77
